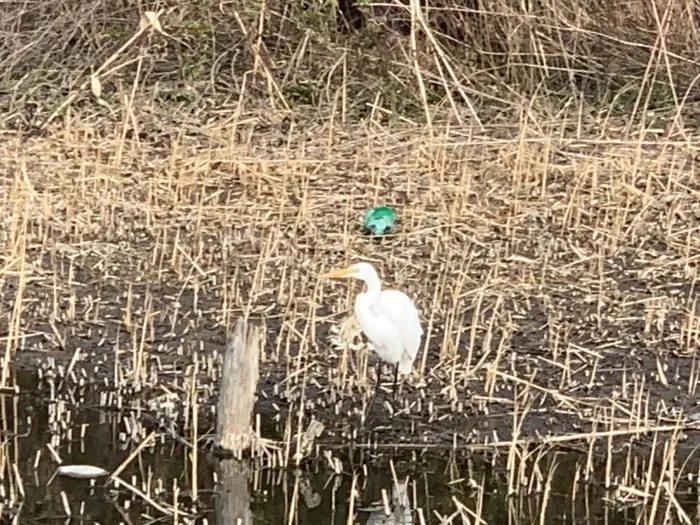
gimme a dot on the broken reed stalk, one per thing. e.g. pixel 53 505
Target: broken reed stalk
pixel 239 382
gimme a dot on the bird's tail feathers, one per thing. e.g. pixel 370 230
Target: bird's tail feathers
pixel 405 366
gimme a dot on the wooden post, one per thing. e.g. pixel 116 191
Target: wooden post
pixel 239 382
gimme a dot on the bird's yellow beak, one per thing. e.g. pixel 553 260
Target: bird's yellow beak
pixel 337 274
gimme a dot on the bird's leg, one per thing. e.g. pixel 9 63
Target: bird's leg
pixel 376 388
pixel 396 377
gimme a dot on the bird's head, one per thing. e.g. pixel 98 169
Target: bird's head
pixel 362 271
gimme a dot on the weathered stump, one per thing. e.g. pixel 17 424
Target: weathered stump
pixel 239 383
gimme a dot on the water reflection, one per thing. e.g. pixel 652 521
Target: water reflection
pixel 407 489
pixel 400 512
pixel 233 493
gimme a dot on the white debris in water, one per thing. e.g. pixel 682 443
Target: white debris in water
pixel 81 471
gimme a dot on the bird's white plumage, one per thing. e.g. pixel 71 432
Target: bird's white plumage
pixel 388 318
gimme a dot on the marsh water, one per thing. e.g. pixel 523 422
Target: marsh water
pixel 445 487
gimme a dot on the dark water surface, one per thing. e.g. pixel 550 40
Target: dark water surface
pixel 437 485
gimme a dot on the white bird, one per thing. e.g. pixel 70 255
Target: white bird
pixel 388 318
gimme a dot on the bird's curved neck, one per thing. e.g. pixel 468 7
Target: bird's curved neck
pixel 374 286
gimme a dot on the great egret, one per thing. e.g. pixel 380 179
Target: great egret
pixel 388 318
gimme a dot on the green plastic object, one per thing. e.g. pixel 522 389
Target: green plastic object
pixel 380 220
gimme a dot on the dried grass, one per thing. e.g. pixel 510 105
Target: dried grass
pixel 162 185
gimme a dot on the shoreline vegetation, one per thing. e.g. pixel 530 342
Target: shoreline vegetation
pixel 168 170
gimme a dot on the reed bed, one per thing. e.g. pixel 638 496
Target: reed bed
pixel 556 280
pixel 155 186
